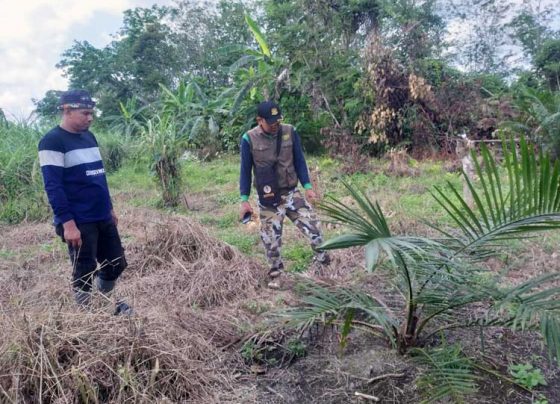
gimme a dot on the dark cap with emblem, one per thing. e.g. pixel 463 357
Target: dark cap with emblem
pixel 76 99
pixel 269 111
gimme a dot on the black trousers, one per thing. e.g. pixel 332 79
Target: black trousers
pixel 100 244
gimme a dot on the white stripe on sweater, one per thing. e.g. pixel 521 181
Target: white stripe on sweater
pixel 69 159
pixel 51 158
pixel 81 156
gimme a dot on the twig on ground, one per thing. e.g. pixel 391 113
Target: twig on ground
pixel 366 396
pixel 380 377
pixel 275 392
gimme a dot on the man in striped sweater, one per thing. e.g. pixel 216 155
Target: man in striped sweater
pixel 77 190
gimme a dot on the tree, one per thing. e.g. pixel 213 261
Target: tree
pixel 538 117
pixel 529 31
pixel 133 65
pixel 47 107
pixel 547 63
pixel 413 30
pixel 196 116
pixel 321 41
pixel 211 37
pixel 147 51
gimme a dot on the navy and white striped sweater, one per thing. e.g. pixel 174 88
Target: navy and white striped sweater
pixel 74 176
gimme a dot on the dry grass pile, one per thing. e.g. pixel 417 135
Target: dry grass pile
pixel 187 290
pixel 95 357
pixel 179 257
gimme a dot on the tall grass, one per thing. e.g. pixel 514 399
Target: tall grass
pixel 164 145
pixel 21 186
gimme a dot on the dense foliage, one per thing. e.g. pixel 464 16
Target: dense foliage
pixel 387 73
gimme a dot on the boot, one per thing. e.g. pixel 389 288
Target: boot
pixel 323 258
pixel 83 297
pixel 122 308
pixel 104 286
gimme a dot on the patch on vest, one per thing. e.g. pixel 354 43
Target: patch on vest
pixel 267 192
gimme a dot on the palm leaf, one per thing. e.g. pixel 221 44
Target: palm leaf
pixel 531 307
pixel 448 374
pixel 527 201
pixel 340 305
pixel 369 228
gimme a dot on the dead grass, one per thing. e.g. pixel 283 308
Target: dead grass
pixel 170 351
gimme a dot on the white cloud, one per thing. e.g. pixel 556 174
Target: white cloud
pixel 33 35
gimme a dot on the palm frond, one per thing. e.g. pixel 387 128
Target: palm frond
pixel 448 374
pixel 323 305
pixel 527 200
pixel 369 228
pixel 530 307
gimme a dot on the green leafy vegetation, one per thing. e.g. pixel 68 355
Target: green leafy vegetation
pixel 526 375
pixel 21 185
pixel 364 82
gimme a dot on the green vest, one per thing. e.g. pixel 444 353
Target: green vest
pixel 263 149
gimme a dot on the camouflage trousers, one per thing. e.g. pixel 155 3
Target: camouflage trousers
pixel 300 212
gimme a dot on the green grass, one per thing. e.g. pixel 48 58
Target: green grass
pixel 213 188
pixel 297 256
pixel 21 184
pixel 247 243
pixel 213 176
pixel 133 176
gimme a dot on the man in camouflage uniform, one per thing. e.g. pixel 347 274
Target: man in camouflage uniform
pixel 261 147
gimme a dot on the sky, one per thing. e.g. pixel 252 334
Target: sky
pixel 35 33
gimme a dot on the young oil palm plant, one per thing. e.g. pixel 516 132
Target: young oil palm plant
pixel 440 279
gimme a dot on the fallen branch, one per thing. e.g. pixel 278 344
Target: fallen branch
pixel 366 396
pixel 380 377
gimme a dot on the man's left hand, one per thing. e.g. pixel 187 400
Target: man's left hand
pixel 115 218
pixel 311 196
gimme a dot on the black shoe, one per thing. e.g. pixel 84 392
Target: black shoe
pixel 122 309
pixel 325 261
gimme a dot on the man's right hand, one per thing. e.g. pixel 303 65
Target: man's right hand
pixel 72 234
pixel 245 207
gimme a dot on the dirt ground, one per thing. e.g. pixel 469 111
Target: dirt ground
pixel 225 304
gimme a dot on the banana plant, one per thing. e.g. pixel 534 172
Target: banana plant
pixel 131 119
pixel 195 114
pixel 257 69
pixel 440 279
